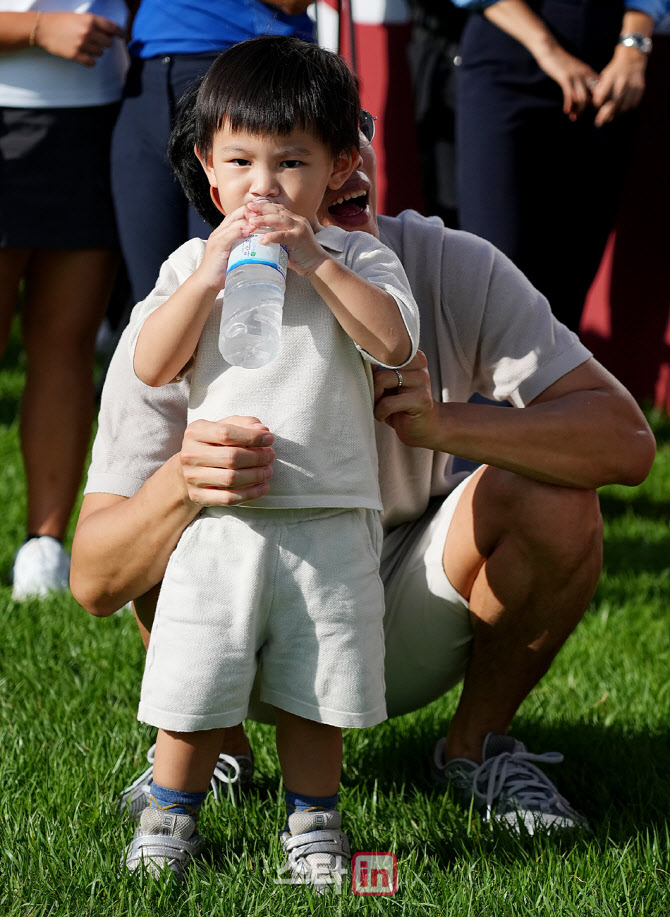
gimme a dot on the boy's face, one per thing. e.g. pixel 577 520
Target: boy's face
pixel 293 170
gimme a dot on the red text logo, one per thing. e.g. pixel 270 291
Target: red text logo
pixel 374 874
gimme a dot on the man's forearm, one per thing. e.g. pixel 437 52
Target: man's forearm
pixel 582 440
pixel 583 431
pixel 122 546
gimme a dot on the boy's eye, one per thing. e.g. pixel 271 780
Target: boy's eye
pixel 291 163
pixel 240 162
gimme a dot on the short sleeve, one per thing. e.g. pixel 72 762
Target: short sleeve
pixel 374 262
pixel 139 428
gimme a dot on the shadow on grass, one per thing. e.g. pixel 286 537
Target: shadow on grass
pixel 639 506
pixel 637 556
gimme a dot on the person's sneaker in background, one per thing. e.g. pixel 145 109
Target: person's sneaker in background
pixel 41 566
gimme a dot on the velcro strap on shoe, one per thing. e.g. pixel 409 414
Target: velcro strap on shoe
pixel 329 840
pixel 156 845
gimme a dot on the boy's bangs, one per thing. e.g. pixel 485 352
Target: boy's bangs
pixel 276 85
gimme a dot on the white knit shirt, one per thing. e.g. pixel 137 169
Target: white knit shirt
pixel 317 395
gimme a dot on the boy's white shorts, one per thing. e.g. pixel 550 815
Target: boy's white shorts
pixel 294 593
pixel 427 623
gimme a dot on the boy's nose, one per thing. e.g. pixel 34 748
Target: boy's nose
pixel 264 184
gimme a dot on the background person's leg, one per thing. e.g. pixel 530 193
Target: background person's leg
pixel 66 296
pixel 13 263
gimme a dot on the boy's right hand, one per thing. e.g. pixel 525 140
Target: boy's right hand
pixel 226 462
pixel 212 269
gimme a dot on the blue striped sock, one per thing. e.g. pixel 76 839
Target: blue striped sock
pixel 299 802
pixel 175 801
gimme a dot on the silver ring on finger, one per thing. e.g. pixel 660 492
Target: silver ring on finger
pixel 399 375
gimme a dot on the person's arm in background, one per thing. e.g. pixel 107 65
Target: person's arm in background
pixel 81 37
pixel 621 84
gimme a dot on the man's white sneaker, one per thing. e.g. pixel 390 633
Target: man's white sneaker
pixel 41 566
pixel 507 787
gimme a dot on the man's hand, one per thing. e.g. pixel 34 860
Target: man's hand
pixel 621 85
pixel 410 408
pixel 226 462
pixel 81 37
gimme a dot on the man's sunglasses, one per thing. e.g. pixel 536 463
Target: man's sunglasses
pixel 366 125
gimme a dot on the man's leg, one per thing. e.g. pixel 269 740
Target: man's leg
pixel 527 556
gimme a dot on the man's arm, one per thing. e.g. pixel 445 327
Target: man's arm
pixel 583 431
pixel 122 545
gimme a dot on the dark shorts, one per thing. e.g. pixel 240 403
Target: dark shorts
pixel 54 178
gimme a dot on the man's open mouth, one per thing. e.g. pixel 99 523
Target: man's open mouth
pixel 350 204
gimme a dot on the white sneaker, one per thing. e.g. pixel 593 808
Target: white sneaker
pixel 317 851
pixel 41 566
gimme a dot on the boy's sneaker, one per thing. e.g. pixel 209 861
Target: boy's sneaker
pixel 507 787
pixel 317 852
pixel 41 566
pixel 163 841
pixel 237 771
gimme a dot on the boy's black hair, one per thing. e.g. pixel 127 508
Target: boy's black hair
pixel 185 163
pixel 276 84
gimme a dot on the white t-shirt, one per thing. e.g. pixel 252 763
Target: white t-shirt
pixel 33 78
pixel 317 395
pixel 484 328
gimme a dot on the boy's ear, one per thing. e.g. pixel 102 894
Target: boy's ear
pixel 343 166
pixel 206 163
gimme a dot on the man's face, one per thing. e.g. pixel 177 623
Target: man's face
pixel 354 205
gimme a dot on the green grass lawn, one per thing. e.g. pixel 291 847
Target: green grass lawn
pixel 69 742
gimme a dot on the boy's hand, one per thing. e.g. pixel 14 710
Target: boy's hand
pixel 212 269
pixel 292 231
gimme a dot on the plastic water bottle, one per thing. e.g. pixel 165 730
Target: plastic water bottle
pixel 253 299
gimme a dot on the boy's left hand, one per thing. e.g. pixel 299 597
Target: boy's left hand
pixel 292 231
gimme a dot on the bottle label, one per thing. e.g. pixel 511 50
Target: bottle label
pixel 250 251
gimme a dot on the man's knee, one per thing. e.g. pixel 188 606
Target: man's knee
pixel 562 522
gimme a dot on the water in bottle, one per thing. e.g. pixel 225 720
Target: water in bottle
pixel 253 299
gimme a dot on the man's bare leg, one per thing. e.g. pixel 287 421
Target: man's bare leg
pixel 528 557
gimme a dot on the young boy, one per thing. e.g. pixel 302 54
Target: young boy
pixel 288 584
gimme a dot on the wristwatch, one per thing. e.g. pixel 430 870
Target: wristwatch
pixel 636 40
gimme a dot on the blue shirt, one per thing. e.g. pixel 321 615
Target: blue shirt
pixel 197 26
pixel 654 8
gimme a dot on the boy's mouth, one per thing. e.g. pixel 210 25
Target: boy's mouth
pixel 350 204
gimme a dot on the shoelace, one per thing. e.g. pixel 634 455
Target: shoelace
pixel 222 774
pixel 515 775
